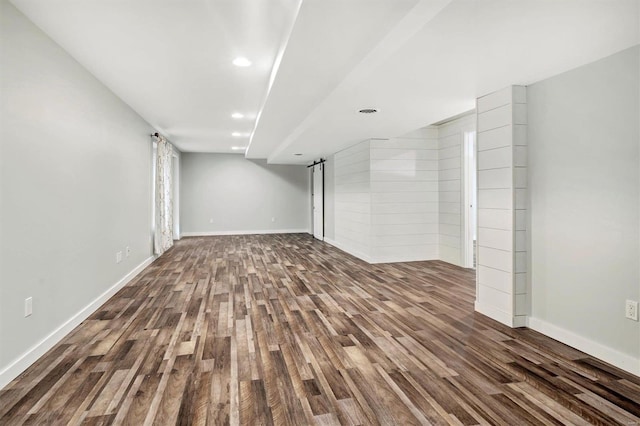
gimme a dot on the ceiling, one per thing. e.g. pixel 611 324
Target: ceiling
pixel 316 62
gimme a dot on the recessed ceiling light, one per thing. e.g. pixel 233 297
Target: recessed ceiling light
pixel 297 154
pixel 368 111
pixel 237 115
pixel 241 61
pixel 239 135
pixel 238 148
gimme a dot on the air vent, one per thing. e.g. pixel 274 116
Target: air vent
pixel 368 111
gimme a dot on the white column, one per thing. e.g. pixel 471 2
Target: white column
pixel 502 196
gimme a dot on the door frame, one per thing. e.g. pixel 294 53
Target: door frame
pixel 317 168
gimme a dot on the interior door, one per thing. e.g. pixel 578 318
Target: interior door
pixel 471 190
pixel 318 201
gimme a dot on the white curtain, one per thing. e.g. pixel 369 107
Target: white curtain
pixel 163 239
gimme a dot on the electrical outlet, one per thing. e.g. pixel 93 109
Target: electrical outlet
pixel 211 220
pixel 631 310
pixel 127 251
pixel 119 257
pixel 28 306
pixel 273 219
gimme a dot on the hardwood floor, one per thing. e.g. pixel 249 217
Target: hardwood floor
pixel 283 329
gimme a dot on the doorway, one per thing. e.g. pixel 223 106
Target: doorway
pixel 318 201
pixel 470 200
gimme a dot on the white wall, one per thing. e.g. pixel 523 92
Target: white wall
pixel 404 197
pixel 226 193
pixel 584 194
pixel 451 188
pixel 329 198
pixel 353 200
pixel 75 189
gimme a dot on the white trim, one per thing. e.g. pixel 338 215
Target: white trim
pixel 591 347
pixel 262 231
pixel 25 360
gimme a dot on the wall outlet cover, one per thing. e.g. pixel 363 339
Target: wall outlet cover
pixel 631 310
pixel 28 306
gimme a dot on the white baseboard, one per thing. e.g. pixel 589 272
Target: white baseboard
pixel 262 231
pixel 595 349
pixel 14 369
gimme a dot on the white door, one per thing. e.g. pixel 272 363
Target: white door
pixel 318 201
pixel 470 191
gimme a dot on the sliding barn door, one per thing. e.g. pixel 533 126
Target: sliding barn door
pixel 318 201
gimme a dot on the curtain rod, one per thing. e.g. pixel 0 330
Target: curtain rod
pixel 320 161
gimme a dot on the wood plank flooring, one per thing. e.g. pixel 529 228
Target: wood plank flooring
pixel 283 329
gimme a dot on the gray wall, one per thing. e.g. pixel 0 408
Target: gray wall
pixel 226 193
pixel 583 139
pixel 75 186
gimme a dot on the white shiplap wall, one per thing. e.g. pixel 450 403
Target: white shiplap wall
pixel 451 188
pixel 353 200
pixel 404 197
pixel 501 285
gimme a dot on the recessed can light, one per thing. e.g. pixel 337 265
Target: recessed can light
pixel 238 148
pixel 237 115
pixel 241 61
pixel 367 111
pixel 239 135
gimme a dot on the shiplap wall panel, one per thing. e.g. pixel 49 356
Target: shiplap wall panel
pixel 403 165
pixel 407 228
pixel 417 207
pixel 498 158
pixel 495 100
pixel 493 178
pixel 495 118
pixel 502 203
pixel 353 200
pixel 520 162
pixel 495 219
pixel 496 238
pixel 404 198
pixel 495 138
